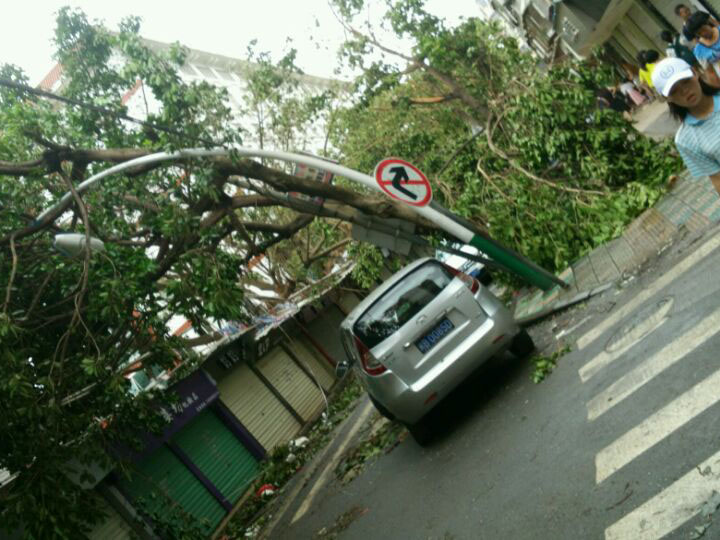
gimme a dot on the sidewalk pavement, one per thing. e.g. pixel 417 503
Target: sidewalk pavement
pixel 654 120
pixel 692 205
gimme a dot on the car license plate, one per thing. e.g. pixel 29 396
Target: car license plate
pixel 434 336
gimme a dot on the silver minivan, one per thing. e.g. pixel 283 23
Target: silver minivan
pixel 421 333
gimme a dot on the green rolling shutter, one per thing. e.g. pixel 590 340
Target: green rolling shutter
pixel 165 486
pixel 217 452
pixel 112 528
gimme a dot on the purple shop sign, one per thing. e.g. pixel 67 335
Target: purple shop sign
pixel 195 393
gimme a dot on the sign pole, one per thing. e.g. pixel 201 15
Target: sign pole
pixel 511 260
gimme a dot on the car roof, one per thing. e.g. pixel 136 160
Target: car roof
pixel 355 314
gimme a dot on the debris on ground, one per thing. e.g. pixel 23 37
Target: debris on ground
pixel 381 437
pixel 341 523
pixel 266 490
pixel 545 363
pixel 626 496
pixel 709 507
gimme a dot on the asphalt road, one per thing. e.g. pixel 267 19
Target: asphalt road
pixel 622 441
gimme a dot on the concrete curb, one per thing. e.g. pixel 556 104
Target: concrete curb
pixel 340 438
pixel 535 317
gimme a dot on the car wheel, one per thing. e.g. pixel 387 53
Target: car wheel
pixel 382 410
pixel 421 432
pixel 485 279
pixel 522 344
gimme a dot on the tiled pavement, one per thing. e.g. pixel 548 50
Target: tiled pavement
pixel 692 205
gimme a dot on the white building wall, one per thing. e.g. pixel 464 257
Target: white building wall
pixel 229 73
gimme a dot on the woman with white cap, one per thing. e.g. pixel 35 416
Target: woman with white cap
pixel 697 106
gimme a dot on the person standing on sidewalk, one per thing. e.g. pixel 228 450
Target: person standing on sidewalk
pixel 629 90
pixel 647 60
pixel 696 105
pixel 676 49
pixel 702 27
pixel 682 11
pixel 607 98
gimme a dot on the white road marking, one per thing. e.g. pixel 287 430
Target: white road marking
pixel 322 479
pixel 654 365
pixel 658 426
pixel 637 333
pixel 672 507
pixel 570 330
pixel 660 283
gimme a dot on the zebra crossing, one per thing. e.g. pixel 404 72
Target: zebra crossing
pixel 682 499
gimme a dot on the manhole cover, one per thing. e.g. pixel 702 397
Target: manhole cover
pixel 642 323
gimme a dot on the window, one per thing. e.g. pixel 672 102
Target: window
pixel 188 70
pixel 224 74
pixel 207 72
pixel 401 303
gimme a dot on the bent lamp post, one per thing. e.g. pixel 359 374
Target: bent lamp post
pixel 73 244
pixel 451 224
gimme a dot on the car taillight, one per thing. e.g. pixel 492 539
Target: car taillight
pixel 370 364
pixel 469 281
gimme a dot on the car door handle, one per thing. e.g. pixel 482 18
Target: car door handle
pixel 421 319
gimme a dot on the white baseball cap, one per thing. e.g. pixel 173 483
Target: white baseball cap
pixel 669 71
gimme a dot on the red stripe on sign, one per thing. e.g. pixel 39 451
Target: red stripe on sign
pixel 384 183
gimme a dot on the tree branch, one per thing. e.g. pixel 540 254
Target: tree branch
pixel 456 88
pixel 80 296
pixel 431 100
pixel 515 165
pixel 290 230
pixel 56 154
pixel 23 168
pixel 327 251
pixel 279 181
pixel 500 191
pixel 372 205
pixel 8 291
pixel 39 292
pixel 251 201
pixel 147 205
pixel 275 228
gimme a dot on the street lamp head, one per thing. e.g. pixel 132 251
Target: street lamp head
pixel 73 244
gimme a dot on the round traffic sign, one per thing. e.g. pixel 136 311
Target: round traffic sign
pixel 403 182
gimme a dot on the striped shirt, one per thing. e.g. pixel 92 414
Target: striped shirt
pixel 698 141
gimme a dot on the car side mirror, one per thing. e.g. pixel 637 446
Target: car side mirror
pixel 342 368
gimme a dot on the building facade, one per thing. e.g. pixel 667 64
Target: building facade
pixel 257 390
pixel 574 28
pixel 224 72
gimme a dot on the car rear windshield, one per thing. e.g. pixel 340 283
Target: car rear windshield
pixel 402 302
